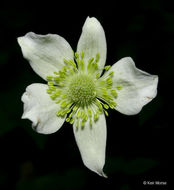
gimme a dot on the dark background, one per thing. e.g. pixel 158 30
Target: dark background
pixel 138 147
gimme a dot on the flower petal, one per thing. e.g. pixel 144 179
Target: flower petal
pixel 45 52
pixel 138 87
pixel 40 109
pixel 92 41
pixel 92 144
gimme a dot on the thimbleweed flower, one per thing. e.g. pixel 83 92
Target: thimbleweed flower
pixel 80 88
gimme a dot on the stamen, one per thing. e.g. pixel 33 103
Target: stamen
pixel 82 66
pixel 97 58
pixel 80 92
pixel 107 67
pixel 82 124
pixel 113 92
pixel 82 54
pixel 97 75
pixel 76 55
pixel 96 117
pixel 111 73
pixel 72 121
pixel 106 113
pixel 49 78
pixel 119 87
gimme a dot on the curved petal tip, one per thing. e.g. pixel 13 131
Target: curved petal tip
pixel 102 174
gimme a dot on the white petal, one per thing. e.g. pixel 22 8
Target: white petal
pixel 40 109
pixel 45 52
pixel 139 87
pixel 92 144
pixel 93 41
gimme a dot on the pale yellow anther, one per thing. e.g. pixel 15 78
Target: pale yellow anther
pixel 49 91
pixel 96 116
pixel 72 63
pixel 82 66
pixel 50 83
pixel 56 73
pixel 66 61
pixel 89 112
pixel 75 108
pixel 97 75
pixel 70 115
pixel 90 122
pixel 82 125
pixel 67 119
pixel 77 61
pixel 63 104
pixel 105 106
pixel 72 121
pixel 111 73
pixel 106 113
pixel 82 114
pixel 90 60
pixel 59 113
pixel 52 88
pixel 58 101
pixel 107 67
pixel 49 78
pixel 82 54
pixel 76 55
pixel 119 87
pixel 99 104
pixel 97 58
pixel 114 93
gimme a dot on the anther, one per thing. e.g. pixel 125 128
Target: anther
pixel 49 78
pixel 76 55
pixel 82 54
pixel 119 87
pixel 97 58
pixel 107 67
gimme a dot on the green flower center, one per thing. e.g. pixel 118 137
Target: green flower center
pixel 81 90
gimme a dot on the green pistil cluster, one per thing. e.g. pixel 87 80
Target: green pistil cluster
pixel 81 90
pixel 82 96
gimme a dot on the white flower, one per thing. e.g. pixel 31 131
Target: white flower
pixel 77 90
